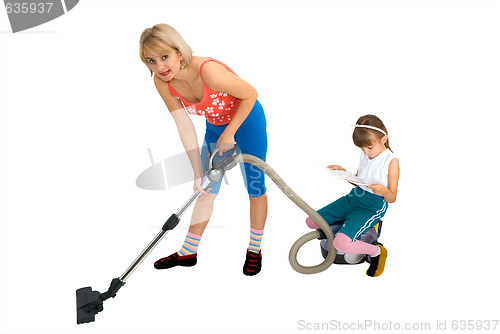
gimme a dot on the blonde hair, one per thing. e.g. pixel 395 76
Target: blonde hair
pixel 362 137
pixel 155 39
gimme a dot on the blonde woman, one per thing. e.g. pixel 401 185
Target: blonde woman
pixel 204 86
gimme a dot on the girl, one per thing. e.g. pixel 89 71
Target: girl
pixel 365 205
pixel 204 86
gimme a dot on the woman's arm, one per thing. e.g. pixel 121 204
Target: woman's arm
pixel 218 78
pixel 185 127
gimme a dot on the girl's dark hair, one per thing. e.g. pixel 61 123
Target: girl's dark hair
pixel 362 137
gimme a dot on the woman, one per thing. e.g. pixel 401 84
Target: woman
pixel 205 86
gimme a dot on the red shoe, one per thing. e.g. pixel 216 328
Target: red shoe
pixel 253 263
pixel 175 259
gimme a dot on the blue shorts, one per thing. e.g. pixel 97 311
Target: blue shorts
pixel 360 209
pixel 251 138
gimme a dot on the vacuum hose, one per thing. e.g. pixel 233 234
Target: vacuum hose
pixel 292 257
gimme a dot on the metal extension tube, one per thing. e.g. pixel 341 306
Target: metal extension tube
pixel 159 237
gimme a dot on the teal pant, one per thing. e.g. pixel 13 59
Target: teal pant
pixel 360 210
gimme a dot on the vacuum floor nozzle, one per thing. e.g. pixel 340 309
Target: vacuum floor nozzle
pixel 88 304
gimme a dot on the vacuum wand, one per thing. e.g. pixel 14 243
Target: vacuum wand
pixel 89 302
pixel 170 224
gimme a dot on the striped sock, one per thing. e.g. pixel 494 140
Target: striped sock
pixel 255 240
pixel 190 245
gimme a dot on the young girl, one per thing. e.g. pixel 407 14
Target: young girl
pixel 204 86
pixel 365 205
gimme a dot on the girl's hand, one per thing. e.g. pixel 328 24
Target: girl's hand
pixel 335 167
pixel 378 188
pixel 225 143
pixel 197 186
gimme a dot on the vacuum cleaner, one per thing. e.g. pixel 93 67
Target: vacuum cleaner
pixel 90 302
pixel 371 237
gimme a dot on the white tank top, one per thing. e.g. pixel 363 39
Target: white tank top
pixel 375 170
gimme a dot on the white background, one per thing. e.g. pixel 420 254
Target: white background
pixel 79 110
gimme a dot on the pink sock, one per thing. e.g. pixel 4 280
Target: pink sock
pixel 345 244
pixel 311 223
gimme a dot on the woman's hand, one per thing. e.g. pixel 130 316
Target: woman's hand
pixel 335 167
pixel 197 186
pixel 225 143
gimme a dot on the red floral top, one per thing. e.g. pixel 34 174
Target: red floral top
pixel 217 107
